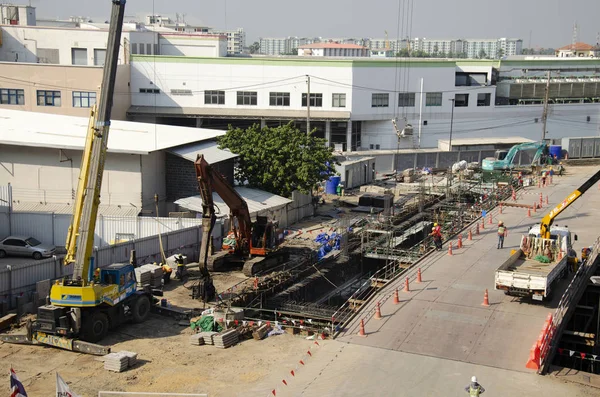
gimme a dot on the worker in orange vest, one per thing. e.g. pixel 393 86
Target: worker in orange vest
pixel 501 234
pixel 436 233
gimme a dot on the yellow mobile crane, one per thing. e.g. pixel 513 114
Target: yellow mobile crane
pixel 84 306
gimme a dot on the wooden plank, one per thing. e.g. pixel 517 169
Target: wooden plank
pixel 6 321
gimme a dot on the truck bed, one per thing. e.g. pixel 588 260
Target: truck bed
pixel 519 263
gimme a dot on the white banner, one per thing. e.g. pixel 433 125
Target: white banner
pixel 62 389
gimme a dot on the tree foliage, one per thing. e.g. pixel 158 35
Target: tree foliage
pixel 254 48
pixel 279 159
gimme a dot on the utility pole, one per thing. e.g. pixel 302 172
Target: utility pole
pixel 451 124
pixel 308 106
pixel 545 114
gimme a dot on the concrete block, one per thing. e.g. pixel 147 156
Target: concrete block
pixel 43 288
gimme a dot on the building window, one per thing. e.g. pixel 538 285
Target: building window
pixel 142 49
pixel 214 97
pixel 316 100
pixel 406 99
pixel 48 98
pixel 12 97
pixel 247 98
pixel 149 48
pixel 461 100
pixel 99 56
pixel 79 56
pixel 149 91
pixel 484 99
pixel 433 99
pixel 180 92
pixel 84 99
pixel 339 101
pixel 279 99
pixel 380 100
pixel 134 48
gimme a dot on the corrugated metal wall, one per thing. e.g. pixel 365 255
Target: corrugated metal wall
pixel 18 279
pixel 52 228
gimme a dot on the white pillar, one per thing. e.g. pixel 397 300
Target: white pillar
pixel 263 123
pixel 349 136
pixel 328 132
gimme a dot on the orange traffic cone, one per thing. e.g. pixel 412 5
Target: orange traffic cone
pixel 490 221
pixel 477 229
pixel 500 207
pixel 450 248
pixel 419 280
pixel 486 300
pixel 470 235
pixel 396 297
pixel 483 223
pixel 534 207
pixel 539 184
pixel 361 331
pixel 459 241
pixel 406 287
pixel 529 212
pixel 377 312
pixel 255 282
pixel 541 200
pixel 547 202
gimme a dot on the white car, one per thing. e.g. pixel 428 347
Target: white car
pixel 25 246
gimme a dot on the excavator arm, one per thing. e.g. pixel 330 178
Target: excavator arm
pixel 210 181
pixel 550 216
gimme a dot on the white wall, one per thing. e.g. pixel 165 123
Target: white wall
pixel 153 181
pixel 25 40
pixel 198 75
pixel 192 45
pixel 38 175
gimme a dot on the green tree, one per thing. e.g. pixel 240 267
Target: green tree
pixel 254 48
pixel 499 53
pixel 450 54
pixel 293 51
pixel 403 53
pixel 279 159
pixel 482 54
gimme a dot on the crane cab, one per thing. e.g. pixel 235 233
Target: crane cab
pixel 264 236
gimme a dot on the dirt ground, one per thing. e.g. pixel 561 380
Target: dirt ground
pixel 167 362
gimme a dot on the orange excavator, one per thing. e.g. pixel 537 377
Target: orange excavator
pixel 255 245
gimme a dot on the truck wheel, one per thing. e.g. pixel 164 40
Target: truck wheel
pixel 95 327
pixel 141 309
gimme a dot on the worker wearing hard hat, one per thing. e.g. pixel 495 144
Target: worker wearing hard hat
pixel 501 234
pixel 474 388
pixel 436 233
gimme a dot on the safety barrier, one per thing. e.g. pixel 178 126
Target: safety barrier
pixel 297 367
pixel 544 349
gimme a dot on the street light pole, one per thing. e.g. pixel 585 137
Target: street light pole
pixel 451 125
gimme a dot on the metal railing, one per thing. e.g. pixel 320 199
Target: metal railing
pixel 565 307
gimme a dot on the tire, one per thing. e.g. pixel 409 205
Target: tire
pixel 2 254
pixel 95 327
pixel 141 309
pixel 37 256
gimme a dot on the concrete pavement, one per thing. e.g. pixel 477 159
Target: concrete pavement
pixel 440 335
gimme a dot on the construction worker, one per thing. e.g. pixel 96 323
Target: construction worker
pixel 501 233
pixel 474 388
pixel 180 267
pixel 436 233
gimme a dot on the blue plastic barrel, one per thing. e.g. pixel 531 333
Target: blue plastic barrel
pixel 555 150
pixel 332 184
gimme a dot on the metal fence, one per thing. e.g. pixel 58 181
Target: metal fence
pixel 565 308
pixel 22 279
pixel 581 148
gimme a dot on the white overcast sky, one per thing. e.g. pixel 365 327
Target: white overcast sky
pixel 550 22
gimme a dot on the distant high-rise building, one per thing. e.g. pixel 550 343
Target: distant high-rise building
pixel 470 48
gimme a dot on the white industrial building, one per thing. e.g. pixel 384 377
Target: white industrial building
pixel 333 50
pixel 41 155
pixel 353 100
pixel 84 44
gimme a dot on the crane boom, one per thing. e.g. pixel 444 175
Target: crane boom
pixel 88 199
pixel 548 219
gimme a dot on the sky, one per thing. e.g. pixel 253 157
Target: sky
pixel 540 23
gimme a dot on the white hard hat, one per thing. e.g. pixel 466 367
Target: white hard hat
pixel 474 379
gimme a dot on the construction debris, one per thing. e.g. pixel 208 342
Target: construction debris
pixel 117 362
pixel 226 339
pixel 261 331
pixel 208 337
pixel 197 340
